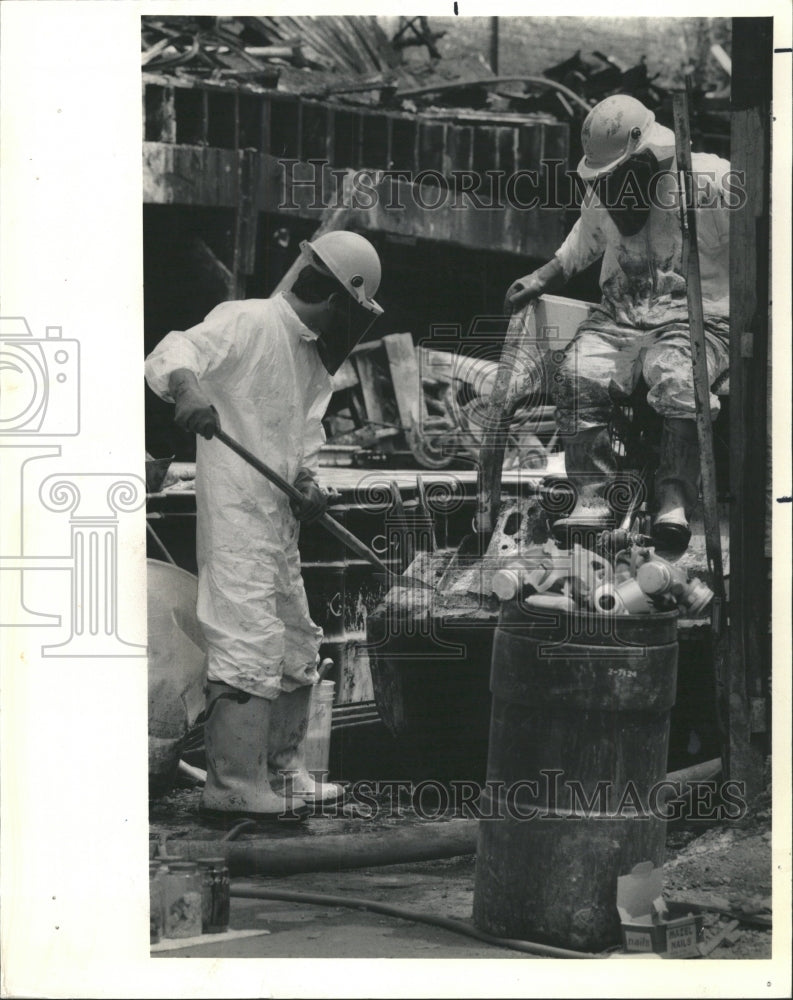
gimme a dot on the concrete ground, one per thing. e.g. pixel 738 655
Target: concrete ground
pixel 443 888
pixel 723 865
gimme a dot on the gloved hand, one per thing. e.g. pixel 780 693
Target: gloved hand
pixel 194 412
pixel 315 499
pixel 522 291
pixel 531 286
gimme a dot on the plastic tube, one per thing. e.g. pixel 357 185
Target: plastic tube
pixel 447 923
pixel 607 600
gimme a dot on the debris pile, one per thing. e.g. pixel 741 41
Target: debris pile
pixel 259 50
pixel 351 59
pixel 597 78
pixel 425 407
pixel 636 581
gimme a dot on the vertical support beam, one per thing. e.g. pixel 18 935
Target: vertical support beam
pixel 168 119
pixel 204 127
pixel 389 139
pixel 265 126
pixel 749 666
pixel 159 113
pixel 240 220
pixel 494 45
pixel 699 359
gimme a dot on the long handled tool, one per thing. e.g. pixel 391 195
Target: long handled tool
pixel 327 522
pixel 521 332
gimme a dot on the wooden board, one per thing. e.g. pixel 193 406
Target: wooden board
pixel 405 378
pixel 345 378
pixel 193 175
pixel 367 374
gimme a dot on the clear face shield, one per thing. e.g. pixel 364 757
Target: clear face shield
pixel 349 325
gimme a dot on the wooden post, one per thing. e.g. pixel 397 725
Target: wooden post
pixel 749 666
pixel 494 45
pixel 696 323
pixel 246 218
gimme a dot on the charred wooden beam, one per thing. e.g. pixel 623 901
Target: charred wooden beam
pixel 159 113
pixel 749 667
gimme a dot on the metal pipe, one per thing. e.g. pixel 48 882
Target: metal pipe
pixel 540 81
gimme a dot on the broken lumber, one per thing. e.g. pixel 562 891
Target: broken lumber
pixel 713 943
pixel 405 378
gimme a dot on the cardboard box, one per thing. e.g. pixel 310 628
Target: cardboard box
pixel 645 927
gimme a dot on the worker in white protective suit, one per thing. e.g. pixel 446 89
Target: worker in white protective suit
pixel 260 369
pixel 631 219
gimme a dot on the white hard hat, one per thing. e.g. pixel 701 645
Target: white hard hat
pixel 614 130
pixel 353 261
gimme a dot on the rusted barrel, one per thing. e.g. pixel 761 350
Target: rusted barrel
pixel 579 734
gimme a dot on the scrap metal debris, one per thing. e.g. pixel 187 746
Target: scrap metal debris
pixel 350 58
pixel 429 407
pixel 258 49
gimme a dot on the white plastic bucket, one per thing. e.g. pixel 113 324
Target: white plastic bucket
pixel 317 745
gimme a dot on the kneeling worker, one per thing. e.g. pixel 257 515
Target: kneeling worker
pixel 260 369
pixel 631 220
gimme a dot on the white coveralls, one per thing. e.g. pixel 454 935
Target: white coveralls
pixel 641 326
pixel 259 366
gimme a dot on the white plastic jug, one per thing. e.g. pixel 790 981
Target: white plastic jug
pixel 317 745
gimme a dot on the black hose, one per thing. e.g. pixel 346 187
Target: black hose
pixel 447 923
pixel 541 81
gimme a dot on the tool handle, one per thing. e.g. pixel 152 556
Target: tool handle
pixel 329 523
pixel 291 491
pixel 521 330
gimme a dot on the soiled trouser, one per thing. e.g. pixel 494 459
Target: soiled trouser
pixel 256 621
pixel 604 361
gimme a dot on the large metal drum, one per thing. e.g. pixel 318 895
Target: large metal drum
pixel 579 737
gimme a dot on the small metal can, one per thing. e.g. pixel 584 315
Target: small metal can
pixel 182 900
pixel 215 899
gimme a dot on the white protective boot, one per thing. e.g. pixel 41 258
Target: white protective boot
pixel 676 485
pixel 236 734
pixel 287 739
pixel 589 463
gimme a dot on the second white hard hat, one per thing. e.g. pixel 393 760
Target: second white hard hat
pixel 353 261
pixel 617 128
